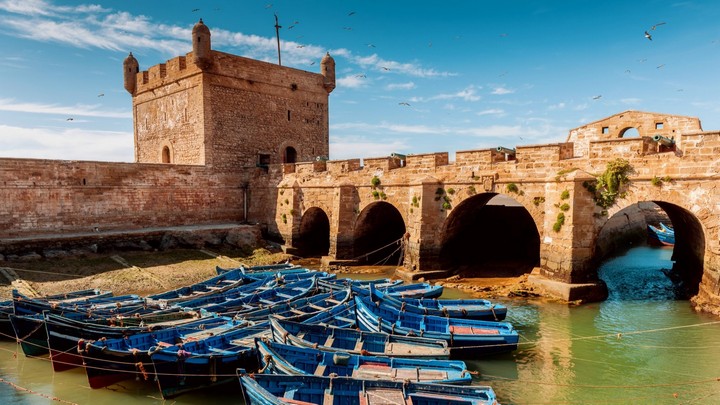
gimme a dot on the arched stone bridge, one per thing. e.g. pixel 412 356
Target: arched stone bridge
pixel 489 209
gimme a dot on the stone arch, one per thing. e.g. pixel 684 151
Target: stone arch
pixel 166 154
pixel 629 132
pixel 488 235
pixel 690 243
pixel 314 234
pixel 376 228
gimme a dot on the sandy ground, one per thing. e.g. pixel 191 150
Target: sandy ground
pixel 146 273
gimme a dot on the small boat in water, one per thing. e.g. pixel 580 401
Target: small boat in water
pixel 452 308
pixel 108 361
pixel 274 389
pixel 466 337
pixel 661 236
pixel 206 362
pixel 355 341
pixel 278 358
pixel 415 290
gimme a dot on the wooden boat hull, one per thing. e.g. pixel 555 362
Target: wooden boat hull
pixel 663 236
pixel 113 360
pixel 207 362
pixel 273 389
pixel 357 342
pixel 464 308
pixel 66 338
pixel 416 290
pixel 466 337
pixel 277 358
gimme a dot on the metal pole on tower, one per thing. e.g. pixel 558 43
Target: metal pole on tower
pixel 277 35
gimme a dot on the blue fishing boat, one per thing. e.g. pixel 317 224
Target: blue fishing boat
pixel 65 336
pixel 278 358
pixel 466 337
pixel 300 308
pixel 274 389
pixel 259 299
pixel 414 290
pixel 453 308
pixel 100 305
pixel 108 361
pixel 6 329
pixel 661 236
pixel 270 269
pixel 339 316
pixel 355 341
pixel 206 362
pixel 343 283
pixel 213 285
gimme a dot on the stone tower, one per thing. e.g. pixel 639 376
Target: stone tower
pixel 226 111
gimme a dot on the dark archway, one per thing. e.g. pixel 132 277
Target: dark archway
pixel 166 155
pixel 290 155
pixel 628 228
pixel 314 237
pixel 378 226
pixel 490 235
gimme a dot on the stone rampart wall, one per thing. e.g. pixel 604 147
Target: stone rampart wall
pixel 40 197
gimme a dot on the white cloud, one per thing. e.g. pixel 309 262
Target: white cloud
pixel 66 144
pixel 492 111
pixel 631 101
pixel 69 111
pixel 502 91
pixel 400 86
pixel 558 106
pixel 467 94
pixel 351 81
pixel 358 147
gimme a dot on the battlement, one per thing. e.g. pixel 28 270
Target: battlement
pixel 161 74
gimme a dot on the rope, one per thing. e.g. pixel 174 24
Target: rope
pixel 378 249
pixel 40 394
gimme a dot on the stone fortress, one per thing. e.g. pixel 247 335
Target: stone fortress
pixel 222 139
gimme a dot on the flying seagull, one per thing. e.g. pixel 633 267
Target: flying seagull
pixel 195 9
pixel 101 94
pixel 351 13
pixel 404 103
pixel 69 119
pixel 597 97
pixel 648 36
pixel 655 26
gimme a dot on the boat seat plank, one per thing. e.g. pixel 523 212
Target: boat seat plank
pixel 468 330
pixel 383 397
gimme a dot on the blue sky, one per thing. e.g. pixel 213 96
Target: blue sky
pixel 413 76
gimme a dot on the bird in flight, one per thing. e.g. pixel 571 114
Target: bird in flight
pixel 362 76
pixel 351 13
pixel 195 9
pixel 384 68
pixel 404 103
pixel 661 66
pixel 648 36
pixel 69 119
pixel 597 97
pixel 371 46
pixel 655 26
pixel 101 94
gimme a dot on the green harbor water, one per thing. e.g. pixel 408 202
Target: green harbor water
pixel 639 347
